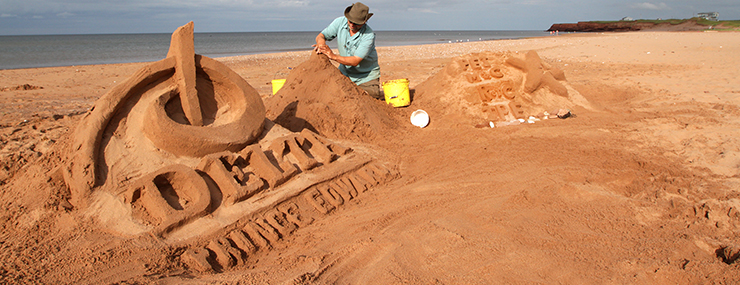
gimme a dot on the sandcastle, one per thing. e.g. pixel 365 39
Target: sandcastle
pixel 501 87
pixel 182 151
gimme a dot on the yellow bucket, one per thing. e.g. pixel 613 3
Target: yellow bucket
pixel 277 84
pixel 397 92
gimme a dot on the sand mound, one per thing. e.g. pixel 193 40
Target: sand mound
pixel 22 87
pixel 316 96
pixel 498 87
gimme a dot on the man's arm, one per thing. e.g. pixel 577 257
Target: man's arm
pixel 321 47
pixel 320 41
pixel 346 60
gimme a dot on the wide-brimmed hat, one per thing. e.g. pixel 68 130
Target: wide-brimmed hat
pixel 357 13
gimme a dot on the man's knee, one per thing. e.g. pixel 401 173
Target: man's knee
pixel 372 88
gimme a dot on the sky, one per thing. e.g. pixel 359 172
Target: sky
pixel 41 17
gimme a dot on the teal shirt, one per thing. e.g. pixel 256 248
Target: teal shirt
pixel 362 45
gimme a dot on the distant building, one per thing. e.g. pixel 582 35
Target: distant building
pixel 627 19
pixel 711 16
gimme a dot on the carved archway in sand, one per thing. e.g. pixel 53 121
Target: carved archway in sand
pixel 185 105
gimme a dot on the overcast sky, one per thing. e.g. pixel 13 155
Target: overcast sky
pixel 19 17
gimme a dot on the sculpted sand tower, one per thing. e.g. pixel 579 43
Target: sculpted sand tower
pixel 317 96
pixel 182 152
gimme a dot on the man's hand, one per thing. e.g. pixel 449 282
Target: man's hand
pixel 325 50
pixel 316 47
pixel 320 44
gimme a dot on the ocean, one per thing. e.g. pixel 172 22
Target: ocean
pixel 66 50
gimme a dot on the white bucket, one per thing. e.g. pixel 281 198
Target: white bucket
pixel 420 118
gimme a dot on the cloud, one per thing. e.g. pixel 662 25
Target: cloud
pixel 423 10
pixel 3 15
pixel 65 14
pixel 292 3
pixel 650 6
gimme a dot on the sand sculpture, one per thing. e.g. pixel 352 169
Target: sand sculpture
pixel 182 151
pixel 502 86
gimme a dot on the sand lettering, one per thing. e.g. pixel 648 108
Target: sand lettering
pixel 290 148
pixel 169 197
pixel 316 199
pixel 177 194
pixel 293 214
pixel 235 184
pixel 226 255
pixel 344 187
pixel 264 168
pixel 262 230
pixel 279 222
pixel 330 195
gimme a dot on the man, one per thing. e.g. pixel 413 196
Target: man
pixel 357 57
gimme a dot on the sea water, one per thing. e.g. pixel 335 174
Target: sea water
pixel 65 50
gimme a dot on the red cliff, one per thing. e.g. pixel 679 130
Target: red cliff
pixel 626 26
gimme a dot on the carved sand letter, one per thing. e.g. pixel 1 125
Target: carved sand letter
pixel 314 197
pixel 345 188
pixel 261 232
pixel 226 255
pixel 336 149
pixel 331 195
pixel 261 163
pixel 242 242
pixel 316 147
pixel 233 190
pixel 291 146
pixel 171 196
pixel 278 221
pixel 293 214
pixel 360 182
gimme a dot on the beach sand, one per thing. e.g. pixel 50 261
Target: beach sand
pixel 640 187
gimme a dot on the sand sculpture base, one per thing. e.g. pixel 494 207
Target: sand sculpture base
pixel 182 152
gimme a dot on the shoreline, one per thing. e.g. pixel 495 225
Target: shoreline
pixel 67 50
pixel 425 47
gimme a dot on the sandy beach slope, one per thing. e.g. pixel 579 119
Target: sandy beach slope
pixel 641 188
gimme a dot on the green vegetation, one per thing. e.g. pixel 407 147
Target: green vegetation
pixel 700 21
